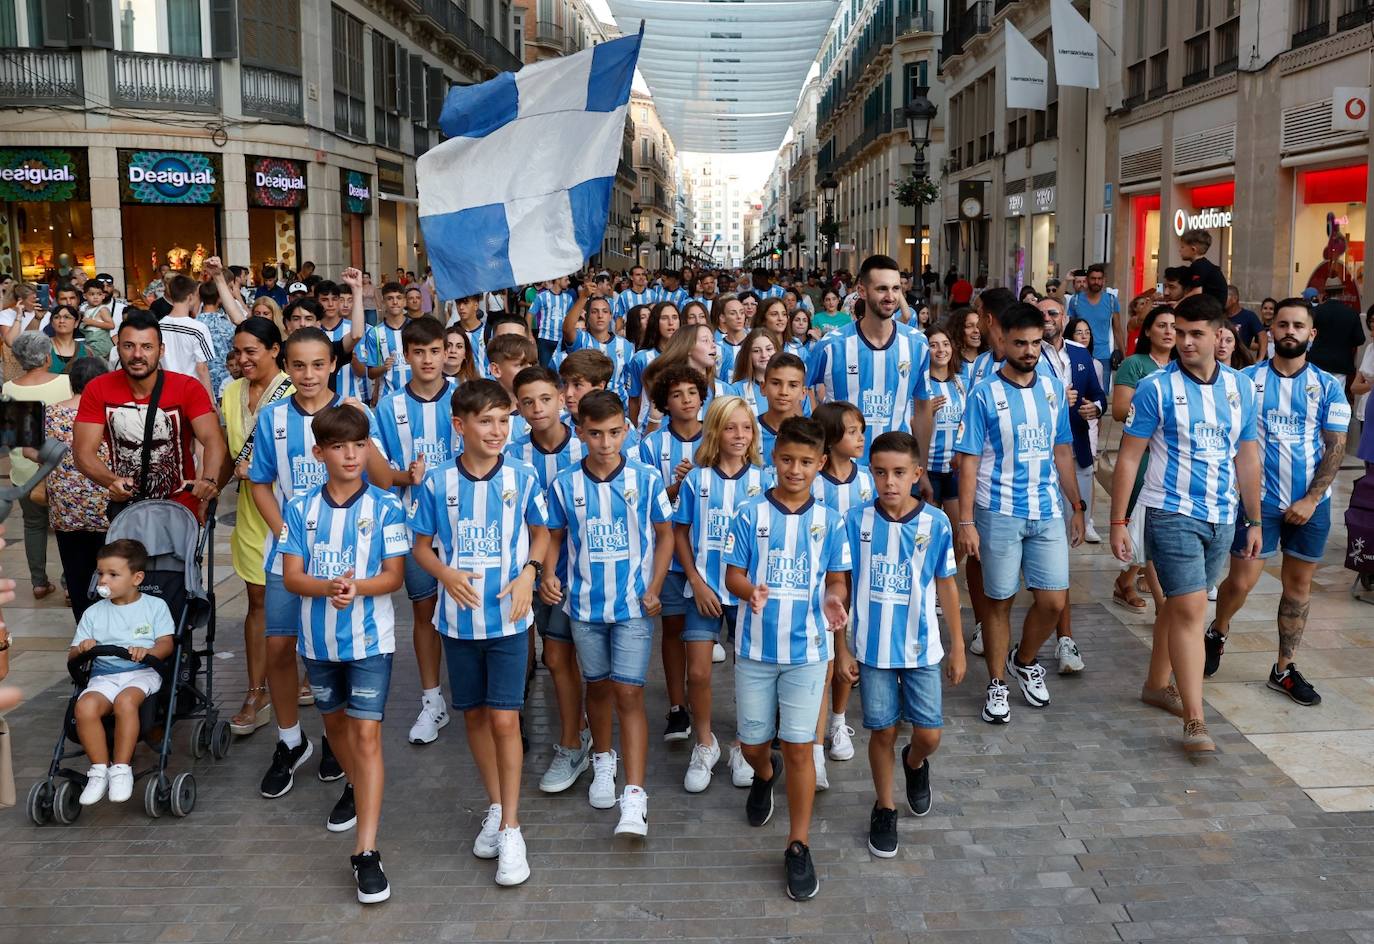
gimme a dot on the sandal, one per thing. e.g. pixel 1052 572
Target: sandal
pixel 304 696
pixel 253 714
pixel 1131 600
pixel 42 590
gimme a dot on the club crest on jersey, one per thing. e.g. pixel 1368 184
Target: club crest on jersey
pixel 1130 415
pixel 281 536
pixel 1051 397
pixel 508 496
pixel 817 532
pixel 1233 398
pixel 904 367
pixel 865 494
pixel 1312 391
pixel 922 541
pixel 630 495
pixel 364 525
pixel 751 491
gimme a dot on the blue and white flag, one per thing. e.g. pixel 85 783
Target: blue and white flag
pixel 521 190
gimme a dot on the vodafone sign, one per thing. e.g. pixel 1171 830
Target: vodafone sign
pixel 1350 109
pixel 1210 218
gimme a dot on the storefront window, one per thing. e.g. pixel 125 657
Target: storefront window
pixel 355 194
pixel 277 191
pixel 1042 266
pixel 1016 250
pixel 46 226
pixel 1328 230
pixel 1210 209
pixel 170 212
pixel 1145 269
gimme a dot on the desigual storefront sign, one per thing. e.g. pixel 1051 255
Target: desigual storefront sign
pixel 42 175
pixel 356 190
pixel 170 177
pixel 277 183
pixel 1210 218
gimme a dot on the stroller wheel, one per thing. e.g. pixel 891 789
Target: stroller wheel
pixel 66 802
pixel 200 739
pixel 220 739
pixel 40 802
pixel 155 796
pixel 183 794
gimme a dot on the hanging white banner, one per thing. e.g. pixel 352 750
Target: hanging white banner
pixel 1075 46
pixel 1027 72
pixel 1350 109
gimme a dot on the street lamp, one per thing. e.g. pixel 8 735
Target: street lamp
pixel 659 245
pixel 782 242
pixel 828 187
pixel 920 112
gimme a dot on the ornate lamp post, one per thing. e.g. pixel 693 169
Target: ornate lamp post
pixel 919 115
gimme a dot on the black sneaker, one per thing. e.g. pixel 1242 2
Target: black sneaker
pixel 759 806
pixel 802 883
pixel 1292 684
pixel 280 777
pixel 679 727
pixel 367 872
pixel 330 769
pixel 882 832
pixel 1215 644
pixel 344 816
pixel 918 796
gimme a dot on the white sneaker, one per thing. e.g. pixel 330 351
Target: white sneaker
pixel 513 868
pixel 741 774
pixel 717 653
pixel 975 645
pixel 995 709
pixel 1090 534
pixel 96 779
pixel 1212 594
pixel 487 845
pixel 1031 679
pixel 431 718
pixel 1070 660
pixel 841 739
pixel 121 782
pixel 601 794
pixel 704 759
pixel 634 813
pixel 818 758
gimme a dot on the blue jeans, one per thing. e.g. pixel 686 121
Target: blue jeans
pixel 1010 547
pixel 546 350
pixel 700 628
pixel 673 598
pixel 616 651
pixel 420 584
pixel 283 608
pixel 1188 553
pixel 359 687
pixel 488 672
pixel 778 699
pixel 911 695
pixel 1305 542
pixel 552 622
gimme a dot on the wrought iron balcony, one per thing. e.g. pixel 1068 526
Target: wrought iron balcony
pixel 152 80
pixel 39 76
pixel 1311 34
pixel 270 94
pixel 548 34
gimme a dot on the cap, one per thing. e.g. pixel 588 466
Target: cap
pixel 1334 284
pixel 1310 294
pixel 297 287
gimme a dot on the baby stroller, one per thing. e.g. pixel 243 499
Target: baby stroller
pixel 1359 528
pixel 178 548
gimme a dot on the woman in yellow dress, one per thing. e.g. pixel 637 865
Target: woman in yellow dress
pixel 257 346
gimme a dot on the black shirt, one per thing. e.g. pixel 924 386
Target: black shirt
pixel 1338 335
pixel 160 307
pixel 1204 274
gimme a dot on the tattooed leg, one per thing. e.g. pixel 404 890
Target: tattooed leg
pixel 1294 606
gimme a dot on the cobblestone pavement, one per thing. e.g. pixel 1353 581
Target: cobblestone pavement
pixel 1082 822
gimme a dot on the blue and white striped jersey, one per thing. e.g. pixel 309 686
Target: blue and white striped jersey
pixel 1293 413
pixel 547 465
pixel 709 501
pixel 618 349
pixel 797 348
pixel 609 538
pixel 945 429
pixel 1014 431
pixel 332 540
pixel 896 564
pixel 662 450
pixel 881 382
pixel 634 375
pixel 477 347
pixel 411 427
pixel 728 352
pixel 347 381
pixel 1195 430
pixel 768 436
pixel 677 296
pixel 380 342
pixel 548 311
pixel 288 464
pixel 984 365
pixel 773 291
pixel 480 526
pixel 630 298
pixel 842 496
pixel 789 552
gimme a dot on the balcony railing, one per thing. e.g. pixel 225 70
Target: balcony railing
pixel 1311 34
pixel 915 21
pixel 270 94
pixel 1226 65
pixel 1196 76
pixel 973 21
pixel 1159 91
pixel 37 76
pixel 1359 14
pixel 548 34
pixel 152 80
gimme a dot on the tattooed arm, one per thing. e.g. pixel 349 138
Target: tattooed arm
pixel 1333 453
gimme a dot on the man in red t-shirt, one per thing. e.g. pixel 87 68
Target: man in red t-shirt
pixel 114 409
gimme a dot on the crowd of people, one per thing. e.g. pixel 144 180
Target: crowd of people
pixel 807 471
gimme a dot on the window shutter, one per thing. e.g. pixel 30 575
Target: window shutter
pixel 417 88
pixel 378 70
pixel 436 89
pixel 88 22
pixel 402 81
pixel 56 29
pixel 224 29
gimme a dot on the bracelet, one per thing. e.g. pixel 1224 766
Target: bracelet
pixel 1254 523
pixel 1124 522
pixel 971 524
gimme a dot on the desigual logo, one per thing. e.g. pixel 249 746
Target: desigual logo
pixel 359 192
pixel 279 182
pixel 37 175
pixel 171 177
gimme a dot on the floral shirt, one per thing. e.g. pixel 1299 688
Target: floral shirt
pixel 74 501
pixel 221 341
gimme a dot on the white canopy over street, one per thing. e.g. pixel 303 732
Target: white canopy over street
pixel 726 74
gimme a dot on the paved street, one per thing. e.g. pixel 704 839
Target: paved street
pixel 1083 822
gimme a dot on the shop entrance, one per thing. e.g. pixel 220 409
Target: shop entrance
pixel 181 236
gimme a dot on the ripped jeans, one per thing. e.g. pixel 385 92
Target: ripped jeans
pixel 360 687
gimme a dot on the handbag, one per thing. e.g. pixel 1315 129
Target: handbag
pixel 7 796
pixel 145 458
pixel 1106 459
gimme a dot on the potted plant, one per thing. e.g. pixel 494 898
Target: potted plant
pixel 916 191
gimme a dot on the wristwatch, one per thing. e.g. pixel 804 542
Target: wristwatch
pixel 1083 506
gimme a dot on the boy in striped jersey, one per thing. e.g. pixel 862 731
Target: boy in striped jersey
pixel 678 393
pixel 784 386
pixel 640 292
pixel 382 355
pixel 480 525
pixel 903 553
pixel 551 304
pixel 584 372
pixel 1016 455
pixel 343 545
pixel 338 322
pixel 416 426
pixel 787 559
pixel 611 516
pixel 550 447
pixel 598 335
pixel 1303 417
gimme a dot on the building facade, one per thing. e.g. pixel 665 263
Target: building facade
pixel 721 209
pixel 553 28
pixel 655 164
pixel 1229 121
pixel 260 132
pixel 876 56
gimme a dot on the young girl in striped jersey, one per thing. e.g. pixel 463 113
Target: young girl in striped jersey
pixel 755 351
pixel 693 346
pixel 663 323
pixel 727 473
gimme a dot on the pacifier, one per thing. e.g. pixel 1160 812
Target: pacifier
pixel 103 591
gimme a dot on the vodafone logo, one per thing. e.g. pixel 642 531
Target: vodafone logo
pixel 1213 218
pixel 1355 108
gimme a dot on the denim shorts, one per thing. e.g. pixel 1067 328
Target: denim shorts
pixel 1188 553
pixel 420 584
pixel 945 485
pixel 488 672
pixel 674 597
pixel 359 687
pixel 1305 542
pixel 911 695
pixel 707 628
pixel 778 699
pixel 283 608
pixel 552 622
pixel 1010 547
pixel 617 651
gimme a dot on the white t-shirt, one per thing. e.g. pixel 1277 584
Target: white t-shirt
pixel 185 343
pixel 9 314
